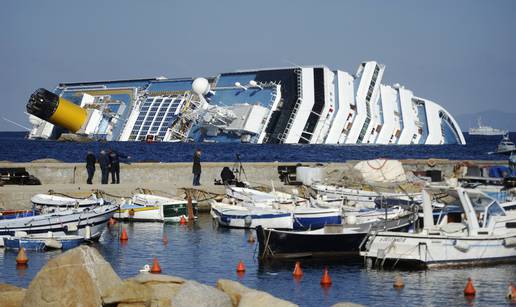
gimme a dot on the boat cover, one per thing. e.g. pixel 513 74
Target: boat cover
pixel 381 170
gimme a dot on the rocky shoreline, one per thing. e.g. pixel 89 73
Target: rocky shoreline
pixel 82 277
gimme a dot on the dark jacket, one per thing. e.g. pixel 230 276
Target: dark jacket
pixel 90 160
pixel 196 168
pixel 114 157
pixel 104 161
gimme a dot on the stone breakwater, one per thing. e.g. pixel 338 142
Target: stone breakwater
pixel 169 178
pixel 82 277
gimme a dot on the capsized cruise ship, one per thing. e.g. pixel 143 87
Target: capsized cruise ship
pixel 291 105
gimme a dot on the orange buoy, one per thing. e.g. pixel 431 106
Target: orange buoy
pixel 182 221
pixel 469 290
pixel 326 279
pixel 124 236
pixel 297 270
pixel 250 238
pixel 156 269
pixel 398 282
pixel 240 267
pixel 22 258
pixel 165 239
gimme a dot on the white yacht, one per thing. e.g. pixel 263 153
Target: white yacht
pixel 472 228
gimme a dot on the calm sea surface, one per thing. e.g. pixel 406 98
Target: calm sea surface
pixel 13 147
pixel 206 254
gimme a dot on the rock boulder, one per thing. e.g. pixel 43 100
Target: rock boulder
pixel 243 296
pixel 78 277
pixel 11 296
pixel 193 293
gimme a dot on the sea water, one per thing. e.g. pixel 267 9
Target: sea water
pixel 204 253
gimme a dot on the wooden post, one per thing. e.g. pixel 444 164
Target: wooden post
pixel 189 206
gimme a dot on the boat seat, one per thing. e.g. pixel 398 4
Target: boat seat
pixel 453 227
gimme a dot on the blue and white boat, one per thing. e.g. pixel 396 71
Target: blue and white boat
pixel 43 243
pixel 238 216
pixel 88 223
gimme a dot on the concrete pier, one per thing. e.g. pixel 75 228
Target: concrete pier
pixel 168 178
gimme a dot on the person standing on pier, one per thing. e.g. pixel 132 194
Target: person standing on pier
pixel 104 166
pixel 196 168
pixel 90 166
pixel 114 161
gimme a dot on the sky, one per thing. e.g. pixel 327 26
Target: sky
pixel 460 54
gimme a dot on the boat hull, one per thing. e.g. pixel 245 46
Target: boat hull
pixel 281 244
pixel 140 214
pixel 88 224
pixel 434 251
pixel 304 220
pixel 240 219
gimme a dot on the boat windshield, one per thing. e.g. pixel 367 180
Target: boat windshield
pixel 485 208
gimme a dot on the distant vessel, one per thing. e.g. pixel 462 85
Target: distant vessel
pixel 506 145
pixel 288 105
pixel 485 130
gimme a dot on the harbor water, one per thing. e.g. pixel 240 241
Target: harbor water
pixel 16 148
pixel 202 252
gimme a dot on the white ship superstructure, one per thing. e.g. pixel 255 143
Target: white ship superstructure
pixel 486 130
pixel 291 105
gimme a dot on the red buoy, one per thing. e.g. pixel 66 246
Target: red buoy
pixel 469 290
pixel 156 269
pixel 124 236
pixel 326 279
pixel 240 267
pixel 22 258
pixel 297 270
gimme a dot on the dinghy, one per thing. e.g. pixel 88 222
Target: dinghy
pixel 41 201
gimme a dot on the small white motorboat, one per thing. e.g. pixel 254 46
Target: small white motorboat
pixel 472 228
pixel 41 201
pixel 248 216
pixel 329 196
pixel 148 207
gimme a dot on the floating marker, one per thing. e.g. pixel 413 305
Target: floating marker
pixel 240 267
pixel 156 269
pixel 165 239
pixel 124 236
pixel 511 293
pixel 250 238
pixel 326 279
pixel 398 282
pixel 22 258
pixel 182 221
pixel 469 290
pixel 297 270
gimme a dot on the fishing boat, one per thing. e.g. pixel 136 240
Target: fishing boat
pixel 329 241
pixel 59 201
pixel 305 216
pixel 88 223
pixel 329 196
pixel 238 216
pixel 148 207
pixel 472 229
pixel 37 243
